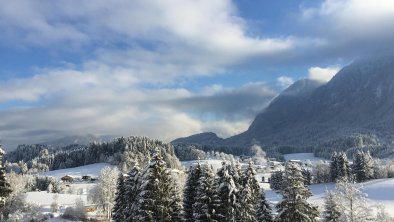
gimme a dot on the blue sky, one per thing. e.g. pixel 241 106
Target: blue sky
pixel 171 68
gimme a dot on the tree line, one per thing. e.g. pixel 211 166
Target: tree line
pixel 363 168
pixel 230 194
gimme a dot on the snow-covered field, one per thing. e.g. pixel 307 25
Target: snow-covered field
pixel 68 197
pixel 44 198
pixel 89 170
pixel 304 157
pixel 379 192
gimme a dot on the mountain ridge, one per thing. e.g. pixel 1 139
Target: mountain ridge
pixel 358 100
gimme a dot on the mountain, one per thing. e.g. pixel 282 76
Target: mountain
pixel 357 103
pixel 210 139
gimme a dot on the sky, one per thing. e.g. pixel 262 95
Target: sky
pixel 170 68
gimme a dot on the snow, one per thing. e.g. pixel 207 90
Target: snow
pixel 90 170
pixel 44 198
pixel 57 219
pixel 302 157
pixel 216 164
pixel 379 192
pixel 67 197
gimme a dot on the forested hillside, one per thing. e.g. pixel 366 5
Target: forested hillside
pixel 124 152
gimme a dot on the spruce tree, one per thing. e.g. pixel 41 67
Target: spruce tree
pixel 132 190
pixel 190 191
pixel 332 210
pixel 264 211
pixel 363 166
pixel 177 212
pixel 227 192
pixel 343 166
pixel 340 167
pixel 248 195
pixel 155 200
pixel 334 166
pixel 294 205
pixel 120 200
pixel 307 176
pixel 5 188
pixel 276 180
pixel 207 202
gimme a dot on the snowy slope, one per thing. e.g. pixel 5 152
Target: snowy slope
pixel 90 170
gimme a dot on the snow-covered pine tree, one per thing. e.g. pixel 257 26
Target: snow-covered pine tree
pixel 5 188
pixel 276 180
pixel 264 211
pixel 207 201
pixel 340 167
pixel 120 200
pixel 307 176
pixel 132 186
pixel 248 195
pixel 155 200
pixel 177 213
pixel 334 166
pixel 363 166
pixel 332 210
pixel 235 172
pixel 228 193
pixel 190 191
pixel 294 205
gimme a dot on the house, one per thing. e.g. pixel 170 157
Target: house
pixel 86 178
pixel 67 178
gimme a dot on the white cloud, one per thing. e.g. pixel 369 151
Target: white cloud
pixel 68 102
pixel 284 81
pixel 322 74
pixel 132 43
pixel 161 40
pixel 352 26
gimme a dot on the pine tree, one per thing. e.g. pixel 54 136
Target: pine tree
pixel 333 166
pixel 190 191
pixel 294 205
pixel 307 176
pixel 155 200
pixel 264 211
pixel 363 166
pixel 120 200
pixel 132 186
pixel 248 195
pixel 340 166
pixel 207 201
pixel 332 210
pixel 5 188
pixel 227 192
pixel 177 212
pixel 276 180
